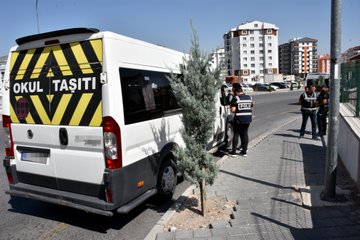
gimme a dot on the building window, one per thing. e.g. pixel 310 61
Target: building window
pixel 261 45
pixel 243 31
pixel 245 65
pixel 269 51
pixel 244 52
pixel 253 65
pixel 245 72
pixel 252 71
pixel 252 39
pixel 261 71
pixel 270 57
pixel 270 64
pixel 270 71
pixel 269 44
pixel 251 32
pixel 269 37
pixel 244 45
pixel 260 39
pixel 245 58
pixel 252 58
pixel 252 52
pixel 261 51
pixel 244 38
pixel 256 25
pixel 261 58
pixel 252 45
pixel 269 31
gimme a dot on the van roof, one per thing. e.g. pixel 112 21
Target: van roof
pixel 57 33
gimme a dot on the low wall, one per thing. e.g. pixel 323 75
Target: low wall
pixel 349 142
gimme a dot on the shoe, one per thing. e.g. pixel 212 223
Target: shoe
pixel 316 138
pixel 243 153
pixel 232 154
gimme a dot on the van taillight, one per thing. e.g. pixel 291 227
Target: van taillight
pixel 9 176
pixel 9 144
pixel 112 143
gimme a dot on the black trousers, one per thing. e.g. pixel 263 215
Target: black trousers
pixel 321 120
pixel 242 130
pixel 305 115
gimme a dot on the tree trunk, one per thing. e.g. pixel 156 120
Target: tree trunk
pixel 203 200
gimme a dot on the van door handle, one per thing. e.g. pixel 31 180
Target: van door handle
pixel 63 136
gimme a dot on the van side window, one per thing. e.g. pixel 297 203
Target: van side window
pixel 146 95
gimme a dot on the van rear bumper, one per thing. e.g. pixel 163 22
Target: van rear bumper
pixel 68 199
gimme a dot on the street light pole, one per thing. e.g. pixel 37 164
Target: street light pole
pixel 332 149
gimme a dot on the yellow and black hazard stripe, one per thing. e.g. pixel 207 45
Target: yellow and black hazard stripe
pixel 57 85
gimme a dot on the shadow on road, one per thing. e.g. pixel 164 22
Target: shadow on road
pixel 80 218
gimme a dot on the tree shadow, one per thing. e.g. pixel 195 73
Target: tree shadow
pixel 188 203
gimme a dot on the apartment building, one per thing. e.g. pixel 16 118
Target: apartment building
pixel 299 56
pixel 351 54
pixel 285 59
pixel 324 63
pixel 251 51
pixel 218 60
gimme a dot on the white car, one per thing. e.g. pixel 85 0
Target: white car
pixel 273 87
pixel 246 88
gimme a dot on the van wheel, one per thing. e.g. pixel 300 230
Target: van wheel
pixel 167 180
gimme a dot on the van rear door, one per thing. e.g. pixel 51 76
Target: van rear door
pixel 56 114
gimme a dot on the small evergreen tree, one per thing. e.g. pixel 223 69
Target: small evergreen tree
pixel 195 92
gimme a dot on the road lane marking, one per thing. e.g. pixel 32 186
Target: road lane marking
pixel 53 232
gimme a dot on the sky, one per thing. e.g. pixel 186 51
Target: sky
pixel 167 22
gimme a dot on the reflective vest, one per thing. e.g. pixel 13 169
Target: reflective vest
pixel 243 114
pixel 309 102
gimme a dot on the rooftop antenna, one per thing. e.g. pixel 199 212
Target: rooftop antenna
pixel 37 16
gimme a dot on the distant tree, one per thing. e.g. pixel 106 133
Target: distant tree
pixel 195 90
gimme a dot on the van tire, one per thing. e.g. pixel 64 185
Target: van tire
pixel 167 180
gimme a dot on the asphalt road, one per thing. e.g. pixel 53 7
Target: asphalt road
pixel 28 219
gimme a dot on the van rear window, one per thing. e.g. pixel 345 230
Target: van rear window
pixel 146 95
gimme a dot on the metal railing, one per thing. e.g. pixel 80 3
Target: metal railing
pixel 350 85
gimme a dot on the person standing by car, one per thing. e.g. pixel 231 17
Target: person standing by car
pixel 241 105
pixel 323 102
pixel 308 101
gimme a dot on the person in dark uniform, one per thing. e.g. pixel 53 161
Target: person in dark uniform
pixel 241 105
pixel 323 102
pixel 308 101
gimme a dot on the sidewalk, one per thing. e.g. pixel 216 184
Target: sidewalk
pixel 274 187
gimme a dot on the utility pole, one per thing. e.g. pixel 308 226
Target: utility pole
pixel 332 148
pixel 37 16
